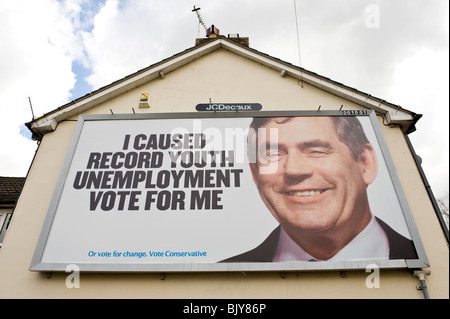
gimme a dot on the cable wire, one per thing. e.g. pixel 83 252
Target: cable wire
pixel 298 43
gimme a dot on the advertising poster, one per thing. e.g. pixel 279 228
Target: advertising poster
pixel 224 193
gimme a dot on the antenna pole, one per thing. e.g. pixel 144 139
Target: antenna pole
pixel 200 20
pixel 31 107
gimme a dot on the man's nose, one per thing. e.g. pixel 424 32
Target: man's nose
pixel 296 166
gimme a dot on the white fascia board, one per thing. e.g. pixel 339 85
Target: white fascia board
pixel 49 122
pixel 393 113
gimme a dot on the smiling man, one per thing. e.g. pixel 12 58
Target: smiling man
pixel 313 177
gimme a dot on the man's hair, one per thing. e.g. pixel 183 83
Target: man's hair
pixel 348 129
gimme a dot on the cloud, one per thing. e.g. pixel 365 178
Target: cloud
pixel 34 63
pixel 422 82
pixel 130 35
pixel 336 41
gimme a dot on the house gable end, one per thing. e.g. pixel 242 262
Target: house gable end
pixel 393 114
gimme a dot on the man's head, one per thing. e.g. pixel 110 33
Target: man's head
pixel 321 169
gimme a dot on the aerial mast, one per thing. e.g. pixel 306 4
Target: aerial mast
pixel 200 20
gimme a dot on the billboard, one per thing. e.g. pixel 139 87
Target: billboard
pixel 228 192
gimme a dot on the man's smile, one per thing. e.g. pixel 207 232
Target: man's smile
pixel 304 193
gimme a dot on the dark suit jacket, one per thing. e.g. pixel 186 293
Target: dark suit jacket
pixel 400 247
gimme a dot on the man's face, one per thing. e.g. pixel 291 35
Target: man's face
pixel 317 184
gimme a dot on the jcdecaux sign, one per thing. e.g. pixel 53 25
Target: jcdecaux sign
pixel 229 107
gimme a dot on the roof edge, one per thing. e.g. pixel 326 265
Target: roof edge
pixel 49 121
pixel 394 114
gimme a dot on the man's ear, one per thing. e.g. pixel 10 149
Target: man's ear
pixel 368 163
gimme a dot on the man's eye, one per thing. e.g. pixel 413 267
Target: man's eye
pixel 318 151
pixel 272 155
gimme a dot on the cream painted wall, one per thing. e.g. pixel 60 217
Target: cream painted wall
pixel 222 77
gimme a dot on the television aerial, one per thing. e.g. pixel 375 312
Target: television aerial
pixel 200 19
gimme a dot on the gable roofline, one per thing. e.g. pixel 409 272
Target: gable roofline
pixel 394 114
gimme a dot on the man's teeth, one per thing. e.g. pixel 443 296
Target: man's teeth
pixel 304 193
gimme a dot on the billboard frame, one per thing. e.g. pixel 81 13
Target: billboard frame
pixel 39 266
